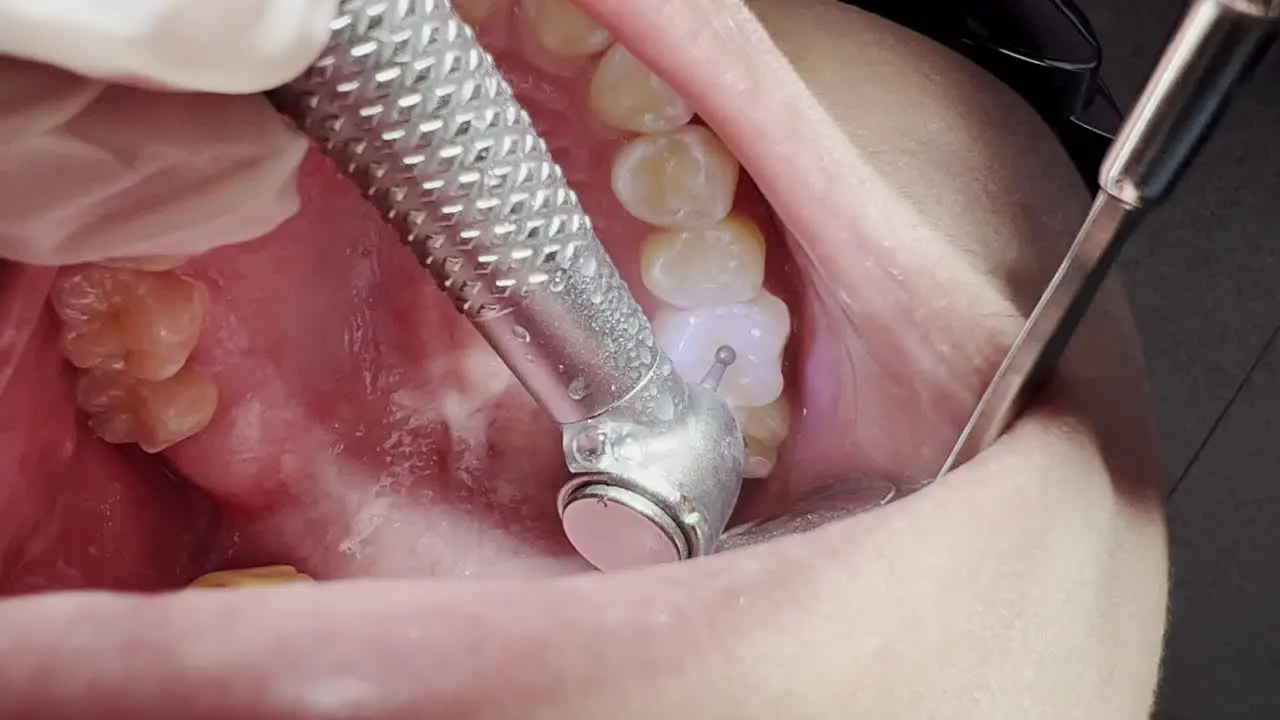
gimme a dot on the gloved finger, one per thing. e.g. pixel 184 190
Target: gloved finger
pixel 94 171
pixel 227 46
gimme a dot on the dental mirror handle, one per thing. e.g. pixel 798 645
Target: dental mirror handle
pixel 1215 46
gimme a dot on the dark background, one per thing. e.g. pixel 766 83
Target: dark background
pixel 1204 281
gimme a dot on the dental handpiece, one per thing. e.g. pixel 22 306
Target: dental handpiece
pixel 415 112
pixel 1215 46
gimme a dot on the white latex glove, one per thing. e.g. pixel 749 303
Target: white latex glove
pixel 223 46
pixel 91 170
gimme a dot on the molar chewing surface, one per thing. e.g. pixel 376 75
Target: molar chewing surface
pixel 130 333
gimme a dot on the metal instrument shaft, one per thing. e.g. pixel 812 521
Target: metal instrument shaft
pixel 1217 43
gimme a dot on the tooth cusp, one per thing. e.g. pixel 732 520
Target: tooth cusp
pixel 760 460
pixel 563 29
pixel 155 414
pixel 764 428
pixel 131 333
pixel 708 267
pixel 757 330
pixel 682 179
pixel 626 95
pixel 146 323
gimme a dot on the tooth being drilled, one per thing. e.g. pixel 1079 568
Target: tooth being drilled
pixel 142 323
pixel 764 428
pixel 477 12
pixel 155 414
pixel 757 330
pixel 628 96
pixel 682 179
pixel 718 265
pixel 266 575
pixel 564 29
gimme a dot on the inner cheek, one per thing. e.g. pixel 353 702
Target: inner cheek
pixel 884 400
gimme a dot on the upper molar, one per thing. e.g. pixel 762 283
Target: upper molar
pixel 628 96
pixel 684 178
pixel 155 415
pixel 144 322
pixel 719 265
pixel 757 330
pixel 764 429
pixel 564 29
pixel 770 424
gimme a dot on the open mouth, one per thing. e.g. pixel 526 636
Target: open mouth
pixel 859 212
pixel 306 405
pixel 310 399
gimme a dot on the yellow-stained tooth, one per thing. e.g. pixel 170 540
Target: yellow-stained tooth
pixel 768 423
pixel 682 179
pixel 628 96
pixel 564 29
pixel 154 414
pixel 266 575
pixel 477 12
pixel 718 265
pixel 764 428
pixel 145 323
pixel 761 459
pixel 131 333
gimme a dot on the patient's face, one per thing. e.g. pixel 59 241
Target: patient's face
pixel 861 214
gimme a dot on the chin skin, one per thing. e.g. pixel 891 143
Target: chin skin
pixel 1030 583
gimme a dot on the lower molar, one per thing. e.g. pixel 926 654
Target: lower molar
pixel 684 178
pixel 757 330
pixel 247 577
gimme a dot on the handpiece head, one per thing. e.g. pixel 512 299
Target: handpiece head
pixel 657 478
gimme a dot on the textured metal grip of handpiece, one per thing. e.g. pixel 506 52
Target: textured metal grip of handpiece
pixel 1217 43
pixel 413 110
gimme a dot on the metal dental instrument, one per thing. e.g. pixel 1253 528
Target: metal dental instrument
pixel 1216 44
pixel 413 110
